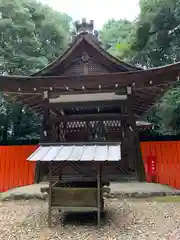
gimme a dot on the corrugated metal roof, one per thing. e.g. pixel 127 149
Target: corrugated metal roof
pixel 77 153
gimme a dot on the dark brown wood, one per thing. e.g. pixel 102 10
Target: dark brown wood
pixel 37 176
pixel 50 197
pixel 139 165
pixel 46 109
pixel 119 90
pixel 77 143
pixel 87 43
pixel 139 106
pixel 99 195
pixel 75 202
pixel 79 170
pixel 142 100
pixel 139 79
pixel 85 117
pixel 43 134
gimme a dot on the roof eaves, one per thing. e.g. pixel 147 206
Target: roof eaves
pixel 113 59
pixel 90 41
pixel 60 58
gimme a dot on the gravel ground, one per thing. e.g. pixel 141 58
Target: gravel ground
pixel 126 220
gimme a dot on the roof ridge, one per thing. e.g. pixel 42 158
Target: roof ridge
pixel 90 41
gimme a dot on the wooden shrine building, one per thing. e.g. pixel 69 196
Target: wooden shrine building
pixel 88 96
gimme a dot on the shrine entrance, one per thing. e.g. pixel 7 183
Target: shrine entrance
pixel 104 117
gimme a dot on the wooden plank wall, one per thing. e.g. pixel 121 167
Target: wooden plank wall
pixel 15 170
pixel 167 156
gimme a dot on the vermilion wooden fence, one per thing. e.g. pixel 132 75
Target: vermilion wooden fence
pixel 15 170
pixel 167 157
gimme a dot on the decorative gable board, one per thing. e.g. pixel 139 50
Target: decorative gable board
pixel 95 67
pixel 89 67
pixel 72 62
pixel 74 69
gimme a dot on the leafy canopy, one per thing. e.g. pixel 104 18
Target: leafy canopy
pixel 31 36
pixel 151 40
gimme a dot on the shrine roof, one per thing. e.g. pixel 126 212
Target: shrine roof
pixel 147 85
pixel 87 40
pixel 86 67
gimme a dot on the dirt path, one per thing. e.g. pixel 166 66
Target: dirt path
pixel 127 219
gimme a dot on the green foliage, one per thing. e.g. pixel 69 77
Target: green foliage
pixel 156 43
pixel 169 112
pixel 116 36
pixel 149 41
pixel 31 36
pixel 154 38
pixel 17 122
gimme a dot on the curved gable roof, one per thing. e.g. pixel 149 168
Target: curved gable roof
pixel 86 39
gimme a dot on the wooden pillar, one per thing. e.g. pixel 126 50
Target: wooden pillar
pixel 37 177
pixel 44 133
pixel 139 161
pixel 99 195
pixel 46 115
pixel 139 165
pixel 43 137
pixel 50 197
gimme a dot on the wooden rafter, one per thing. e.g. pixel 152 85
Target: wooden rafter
pixel 138 80
pixel 147 86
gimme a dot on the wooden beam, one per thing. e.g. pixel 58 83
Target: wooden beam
pixel 99 195
pixel 138 79
pixel 37 173
pixel 115 89
pixel 50 197
pixel 36 107
pixel 140 171
pixel 98 116
pixel 79 143
pixel 30 98
pixel 141 98
pixel 20 93
pixel 91 97
pixel 46 114
pixel 85 104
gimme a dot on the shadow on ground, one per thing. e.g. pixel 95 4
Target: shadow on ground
pixel 85 218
